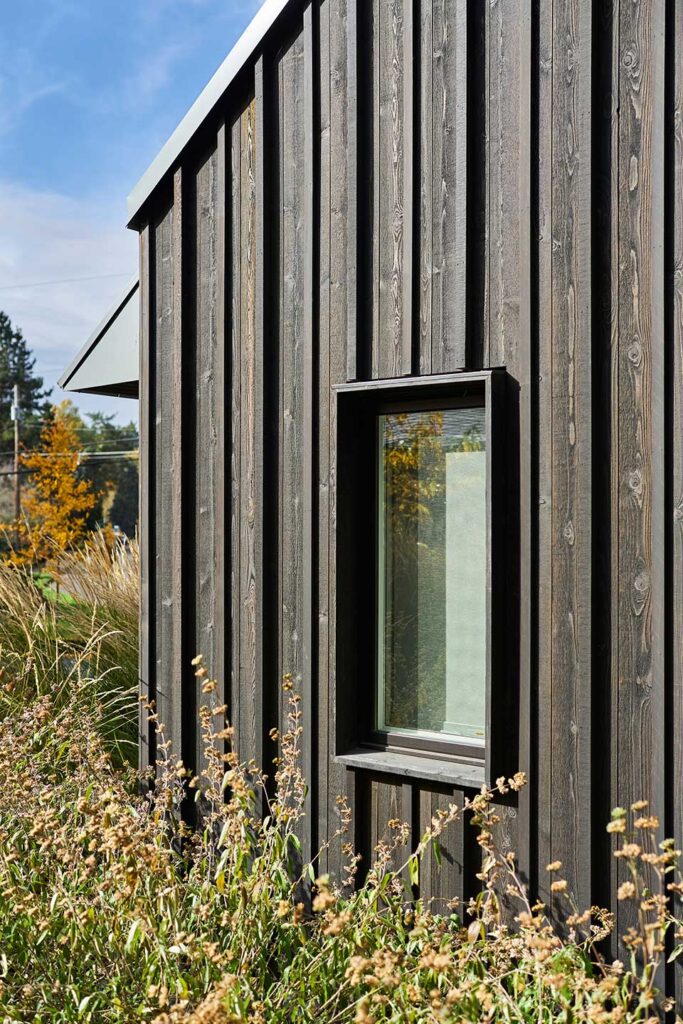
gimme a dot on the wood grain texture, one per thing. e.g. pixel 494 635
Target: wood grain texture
pixel 209 406
pixel 676 155
pixel 392 55
pixel 147 734
pixel 321 717
pixel 605 335
pixel 443 185
pixel 544 493
pixel 570 732
pixel 508 50
pixel 390 805
pixel 251 442
pixel 233 141
pixel 337 348
pixel 292 301
pixel 345 93
pixel 442 883
pixel 639 700
pixel 309 427
pixel 168 433
pixel 509 339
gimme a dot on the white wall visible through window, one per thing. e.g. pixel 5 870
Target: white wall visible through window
pixel 466 593
pixel 431 573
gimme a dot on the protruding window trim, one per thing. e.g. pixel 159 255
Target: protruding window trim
pixel 356 510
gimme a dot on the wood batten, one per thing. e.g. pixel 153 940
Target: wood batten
pixel 442 184
pixel 169 452
pixel 568 743
pixel 208 405
pixel 309 433
pixel 639 680
pixel 339 346
pixel 147 414
pixel 509 334
pixel 674 347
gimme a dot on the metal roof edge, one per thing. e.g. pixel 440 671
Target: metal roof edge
pixel 96 335
pixel 241 52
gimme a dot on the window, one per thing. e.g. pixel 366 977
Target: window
pixel 431 573
pixel 426 674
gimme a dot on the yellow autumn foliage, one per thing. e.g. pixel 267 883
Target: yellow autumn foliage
pixel 57 502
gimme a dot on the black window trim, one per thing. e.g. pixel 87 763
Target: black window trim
pixel 358 742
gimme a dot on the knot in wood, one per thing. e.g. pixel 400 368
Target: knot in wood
pixel 635 353
pixel 642 582
pixel 635 481
pixel 630 59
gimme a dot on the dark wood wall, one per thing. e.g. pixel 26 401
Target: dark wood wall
pixel 400 187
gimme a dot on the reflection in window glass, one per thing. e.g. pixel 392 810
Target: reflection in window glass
pixel 432 573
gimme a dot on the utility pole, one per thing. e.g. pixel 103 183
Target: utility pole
pixel 17 477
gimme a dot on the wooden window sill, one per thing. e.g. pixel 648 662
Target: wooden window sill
pixel 414 766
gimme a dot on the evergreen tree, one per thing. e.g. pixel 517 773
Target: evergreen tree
pixel 17 367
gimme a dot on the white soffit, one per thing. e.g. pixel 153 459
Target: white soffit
pixel 108 363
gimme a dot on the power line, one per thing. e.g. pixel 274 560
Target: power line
pixel 107 457
pixel 61 280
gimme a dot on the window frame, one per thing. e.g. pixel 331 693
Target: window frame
pixel 358 740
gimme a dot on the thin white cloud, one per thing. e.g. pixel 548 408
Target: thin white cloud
pixel 152 76
pixel 49 237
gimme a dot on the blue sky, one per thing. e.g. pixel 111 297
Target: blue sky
pixel 89 92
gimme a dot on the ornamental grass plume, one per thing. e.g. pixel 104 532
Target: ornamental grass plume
pixel 113 910
pixel 74 638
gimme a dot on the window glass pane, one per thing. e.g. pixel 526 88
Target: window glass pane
pixel 432 573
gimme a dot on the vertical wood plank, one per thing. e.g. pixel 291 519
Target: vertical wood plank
pixel 375 44
pixel 570 737
pixel 426 222
pixel 209 403
pixel 544 494
pixel 509 342
pixel 309 429
pixel 410 54
pixel 251 456
pixel 341 337
pixel 393 54
pixel 675 771
pixel 442 884
pixel 449 184
pixel 389 802
pixel 640 695
pixel 605 331
pixel 323 220
pixel 294 461
pixel 235 434
pixel 147 517
pixel 344 70
pixel 222 659
pixel 168 431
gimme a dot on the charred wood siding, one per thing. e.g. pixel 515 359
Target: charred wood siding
pixel 408 187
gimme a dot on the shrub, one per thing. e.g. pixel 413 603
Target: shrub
pixel 111 910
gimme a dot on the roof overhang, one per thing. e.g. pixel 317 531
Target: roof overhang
pixel 243 50
pixel 108 363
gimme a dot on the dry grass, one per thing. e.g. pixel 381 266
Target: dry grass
pixel 112 912
pixel 76 633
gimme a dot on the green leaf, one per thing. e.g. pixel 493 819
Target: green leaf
pixel 414 870
pixel 677 950
pixel 83 1005
pixel 134 935
pixel 437 851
